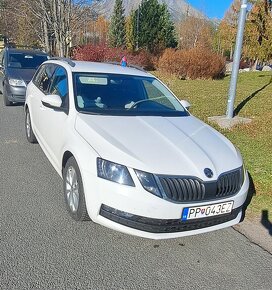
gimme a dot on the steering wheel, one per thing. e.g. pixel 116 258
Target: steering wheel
pixel 140 102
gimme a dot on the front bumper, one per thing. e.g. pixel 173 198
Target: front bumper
pixel 163 225
pixel 135 211
pixel 16 94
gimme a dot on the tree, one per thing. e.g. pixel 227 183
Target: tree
pixel 227 29
pixel 195 32
pixel 131 32
pixel 117 31
pixel 153 26
pixel 52 21
pixel 258 34
pixel 167 33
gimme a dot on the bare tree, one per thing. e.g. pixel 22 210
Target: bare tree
pixel 53 21
pixel 193 32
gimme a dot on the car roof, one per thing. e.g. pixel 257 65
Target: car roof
pixel 99 67
pixel 26 51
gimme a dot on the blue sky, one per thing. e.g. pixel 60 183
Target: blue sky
pixel 212 8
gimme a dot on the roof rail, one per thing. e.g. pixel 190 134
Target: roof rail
pixel 128 65
pixel 65 59
pixel 14 45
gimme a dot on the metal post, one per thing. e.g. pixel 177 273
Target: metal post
pixel 236 59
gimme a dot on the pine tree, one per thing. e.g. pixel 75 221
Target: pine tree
pixel 131 32
pixel 117 31
pixel 167 33
pixel 154 28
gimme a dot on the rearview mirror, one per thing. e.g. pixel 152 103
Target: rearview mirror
pixel 185 104
pixel 52 101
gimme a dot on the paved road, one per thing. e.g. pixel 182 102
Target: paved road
pixel 41 247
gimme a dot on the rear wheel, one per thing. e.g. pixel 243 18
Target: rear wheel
pixel 31 138
pixel 74 192
pixel 7 102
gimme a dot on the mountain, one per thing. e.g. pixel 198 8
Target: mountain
pixel 177 8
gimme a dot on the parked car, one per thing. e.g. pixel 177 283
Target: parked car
pixel 17 67
pixel 131 156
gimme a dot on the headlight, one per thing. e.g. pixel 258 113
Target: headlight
pixel 113 172
pixel 148 182
pixel 17 83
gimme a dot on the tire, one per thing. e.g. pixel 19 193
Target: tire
pixel 7 102
pixel 31 138
pixel 73 191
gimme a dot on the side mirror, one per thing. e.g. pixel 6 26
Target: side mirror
pixel 52 101
pixel 185 104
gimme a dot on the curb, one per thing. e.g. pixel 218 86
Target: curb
pixel 257 232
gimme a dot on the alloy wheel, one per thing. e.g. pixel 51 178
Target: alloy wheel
pixel 72 189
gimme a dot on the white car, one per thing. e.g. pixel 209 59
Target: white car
pixel 131 156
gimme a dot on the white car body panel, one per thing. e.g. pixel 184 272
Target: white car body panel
pixel 174 145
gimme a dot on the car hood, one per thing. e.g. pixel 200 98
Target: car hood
pixel 160 145
pixel 24 74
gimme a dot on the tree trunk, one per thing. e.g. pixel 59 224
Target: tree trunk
pixel 255 64
pixel 231 53
pixel 46 39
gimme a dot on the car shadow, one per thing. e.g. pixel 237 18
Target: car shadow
pixel 17 105
pixel 251 193
pixel 266 222
pixel 245 101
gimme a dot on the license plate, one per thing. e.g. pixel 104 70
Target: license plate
pixel 204 211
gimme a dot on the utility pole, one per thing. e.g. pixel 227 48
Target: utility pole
pixel 236 59
pixel 228 120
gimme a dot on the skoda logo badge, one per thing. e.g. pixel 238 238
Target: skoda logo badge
pixel 208 172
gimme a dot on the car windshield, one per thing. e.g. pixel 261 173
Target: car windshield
pixel 25 60
pixel 111 94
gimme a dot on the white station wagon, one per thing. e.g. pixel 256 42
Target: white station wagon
pixel 131 156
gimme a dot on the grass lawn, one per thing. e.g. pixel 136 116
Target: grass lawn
pixel 254 100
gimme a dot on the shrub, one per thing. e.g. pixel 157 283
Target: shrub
pixel 103 53
pixel 193 63
pixel 89 53
pixel 142 58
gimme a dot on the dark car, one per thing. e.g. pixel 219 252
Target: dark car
pixel 17 67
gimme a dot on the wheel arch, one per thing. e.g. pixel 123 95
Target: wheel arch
pixel 67 154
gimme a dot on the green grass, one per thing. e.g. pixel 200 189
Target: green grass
pixel 209 98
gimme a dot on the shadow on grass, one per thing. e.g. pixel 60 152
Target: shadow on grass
pixel 250 194
pixel 244 102
pixel 266 222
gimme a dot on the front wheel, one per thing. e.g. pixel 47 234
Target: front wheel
pixel 31 138
pixel 74 192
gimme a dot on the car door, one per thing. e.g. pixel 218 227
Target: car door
pixel 53 124
pixel 36 91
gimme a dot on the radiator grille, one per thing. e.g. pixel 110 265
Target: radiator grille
pixel 183 189
pixel 186 189
pixel 230 183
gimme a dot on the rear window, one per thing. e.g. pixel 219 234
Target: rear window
pixel 25 60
